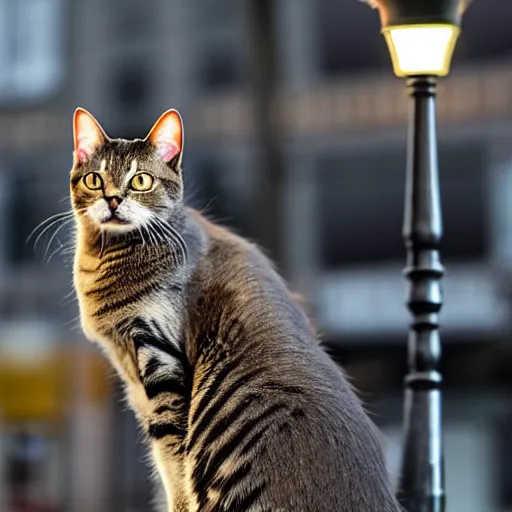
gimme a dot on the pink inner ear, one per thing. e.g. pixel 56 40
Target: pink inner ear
pixel 167 150
pixel 83 150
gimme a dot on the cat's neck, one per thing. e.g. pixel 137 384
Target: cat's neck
pixel 193 232
pixel 182 242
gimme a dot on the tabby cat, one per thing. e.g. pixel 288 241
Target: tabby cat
pixel 243 409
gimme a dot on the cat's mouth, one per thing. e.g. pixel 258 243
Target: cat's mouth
pixel 115 221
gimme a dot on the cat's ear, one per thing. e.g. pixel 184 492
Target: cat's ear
pixel 88 135
pixel 167 136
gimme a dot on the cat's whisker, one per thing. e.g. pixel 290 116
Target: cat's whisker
pixel 76 321
pixel 55 218
pixel 69 297
pixel 152 237
pixel 70 249
pixel 69 300
pixel 64 223
pixel 69 294
pixel 154 226
pixel 204 210
pixel 169 240
pixel 166 239
pixel 53 253
pixel 158 233
pixel 177 236
pixel 154 233
pixel 142 236
pixel 174 235
pixel 60 248
pixel 63 219
pixel 64 199
pixel 172 230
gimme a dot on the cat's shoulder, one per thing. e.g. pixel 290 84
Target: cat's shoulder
pixel 232 254
pixel 220 235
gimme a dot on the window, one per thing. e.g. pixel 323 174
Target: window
pixel 4 221
pixel 503 454
pixel 216 13
pixel 131 85
pixel 219 66
pixel 206 190
pixel 219 42
pixel 24 217
pixel 134 22
pixel 362 198
pixel 210 187
pixel 31 48
pixel 130 90
pixel 33 193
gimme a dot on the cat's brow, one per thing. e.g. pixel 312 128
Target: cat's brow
pixel 103 165
pixel 132 171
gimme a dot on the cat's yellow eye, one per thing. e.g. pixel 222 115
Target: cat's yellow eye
pixel 93 181
pixel 142 182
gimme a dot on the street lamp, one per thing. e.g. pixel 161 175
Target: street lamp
pixel 421 37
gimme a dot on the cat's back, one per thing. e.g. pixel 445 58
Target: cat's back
pixel 233 280
pixel 231 260
pixel 311 444
pixel 238 298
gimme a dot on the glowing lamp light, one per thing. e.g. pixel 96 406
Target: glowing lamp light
pixel 421 49
pixel 420 34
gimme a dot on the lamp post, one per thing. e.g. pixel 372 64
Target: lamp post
pixel 421 37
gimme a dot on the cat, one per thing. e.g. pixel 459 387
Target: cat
pixel 242 407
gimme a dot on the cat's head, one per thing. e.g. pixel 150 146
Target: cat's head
pixel 119 186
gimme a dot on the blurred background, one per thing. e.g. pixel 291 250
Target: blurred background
pixel 295 136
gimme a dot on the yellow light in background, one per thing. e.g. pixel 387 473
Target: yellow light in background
pixel 421 49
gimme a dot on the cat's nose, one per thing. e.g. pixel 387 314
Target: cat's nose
pixel 113 202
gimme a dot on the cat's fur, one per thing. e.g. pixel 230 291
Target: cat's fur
pixel 243 408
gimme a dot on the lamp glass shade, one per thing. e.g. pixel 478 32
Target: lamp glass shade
pixel 421 49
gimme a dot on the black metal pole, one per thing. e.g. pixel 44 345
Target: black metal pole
pixel 422 483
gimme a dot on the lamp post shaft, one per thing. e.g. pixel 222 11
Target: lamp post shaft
pixel 422 482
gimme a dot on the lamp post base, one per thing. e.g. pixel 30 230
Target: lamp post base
pixel 422 482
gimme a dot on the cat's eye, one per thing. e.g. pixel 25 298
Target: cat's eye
pixel 142 182
pixel 93 181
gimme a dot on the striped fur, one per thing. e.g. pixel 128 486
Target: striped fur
pixel 243 409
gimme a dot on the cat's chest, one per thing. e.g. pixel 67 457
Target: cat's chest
pixel 144 340
pixel 122 285
pixel 105 313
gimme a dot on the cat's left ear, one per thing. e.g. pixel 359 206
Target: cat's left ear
pixel 167 136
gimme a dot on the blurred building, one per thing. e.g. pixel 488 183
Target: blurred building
pixel 343 130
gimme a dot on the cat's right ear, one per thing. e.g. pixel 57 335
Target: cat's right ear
pixel 167 136
pixel 88 135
